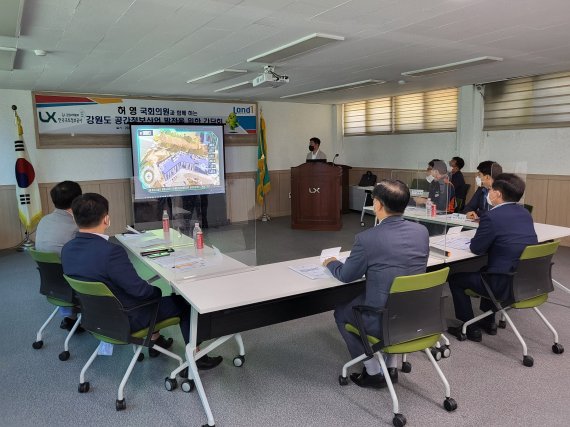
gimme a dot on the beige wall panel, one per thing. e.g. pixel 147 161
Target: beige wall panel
pixel 284 191
pixel 241 198
pixel 10 230
pixel 536 195
pixel 114 191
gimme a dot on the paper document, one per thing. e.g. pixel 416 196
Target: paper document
pixel 330 253
pixel 458 241
pixel 312 271
pixel 147 243
pixel 184 260
pixel 454 231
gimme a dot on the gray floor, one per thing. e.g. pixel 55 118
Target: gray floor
pixel 291 369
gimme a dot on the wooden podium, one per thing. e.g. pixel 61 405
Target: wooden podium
pixel 316 197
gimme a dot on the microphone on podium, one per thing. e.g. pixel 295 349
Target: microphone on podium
pixel 334 158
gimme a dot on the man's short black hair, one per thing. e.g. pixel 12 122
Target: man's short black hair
pixel 62 194
pixel 89 210
pixel 315 140
pixel 432 162
pixel 510 185
pixel 393 194
pixel 459 162
pixel 439 165
pixel 489 167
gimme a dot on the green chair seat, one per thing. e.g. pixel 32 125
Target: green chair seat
pixel 59 303
pixel 171 321
pixel 401 348
pixel 531 302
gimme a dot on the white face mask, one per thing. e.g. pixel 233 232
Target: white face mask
pixel 429 178
pixel 478 181
pixel 488 200
pixel 449 169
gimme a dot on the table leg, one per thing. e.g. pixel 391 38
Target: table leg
pixel 190 352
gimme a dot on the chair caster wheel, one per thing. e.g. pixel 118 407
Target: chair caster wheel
pixel 37 344
pixel 450 404
pixel 187 385
pixel 462 337
pixel 170 383
pixel 120 405
pixel 406 367
pixel 362 224
pixel 528 361
pixel 140 358
pixel 502 324
pixel 83 387
pixel 399 420
pixel 63 356
pixel 557 348
pixel 208 425
pixel 239 361
pixel 342 380
pixel 436 354
pixel 445 351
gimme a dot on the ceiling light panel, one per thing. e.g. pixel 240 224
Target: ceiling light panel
pixel 452 66
pixel 236 87
pixel 338 88
pixel 297 47
pixel 216 76
pixel 11 17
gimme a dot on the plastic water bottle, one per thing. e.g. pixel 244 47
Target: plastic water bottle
pixel 195 232
pixel 199 238
pixel 429 204
pixel 165 221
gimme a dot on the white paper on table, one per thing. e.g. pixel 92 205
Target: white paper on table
pixel 147 243
pixel 330 253
pixel 457 241
pixel 312 271
pixel 454 230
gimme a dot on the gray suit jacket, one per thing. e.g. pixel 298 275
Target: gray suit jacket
pixel 320 155
pixel 395 247
pixel 54 231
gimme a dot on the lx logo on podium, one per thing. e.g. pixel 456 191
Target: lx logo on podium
pixel 314 190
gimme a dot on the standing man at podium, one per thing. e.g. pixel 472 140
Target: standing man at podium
pixel 314 149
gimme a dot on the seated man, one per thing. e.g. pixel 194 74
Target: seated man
pixel 91 257
pixel 503 233
pixel 457 179
pixel 395 247
pixel 441 191
pixel 478 206
pixel 57 228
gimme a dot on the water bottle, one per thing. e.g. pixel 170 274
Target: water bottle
pixel 195 231
pixel 428 207
pixel 165 221
pixel 433 209
pixel 199 238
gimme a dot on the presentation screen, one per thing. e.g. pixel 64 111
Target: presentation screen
pixel 171 160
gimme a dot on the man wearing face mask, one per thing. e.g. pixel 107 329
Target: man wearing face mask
pixel 315 151
pixel 440 190
pixel 478 205
pixel 503 233
pixel 91 257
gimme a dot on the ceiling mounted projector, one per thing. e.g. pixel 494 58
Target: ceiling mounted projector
pixel 269 78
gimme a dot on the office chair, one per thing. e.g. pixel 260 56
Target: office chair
pixel 106 319
pixel 411 321
pixel 528 208
pixel 530 286
pixel 57 291
pixel 460 200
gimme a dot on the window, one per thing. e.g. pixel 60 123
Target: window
pixel 434 111
pixel 529 102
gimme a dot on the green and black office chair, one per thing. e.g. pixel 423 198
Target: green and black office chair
pixel 57 291
pixel 530 286
pixel 106 319
pixel 412 321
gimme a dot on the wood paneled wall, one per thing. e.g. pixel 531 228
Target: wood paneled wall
pixel 549 196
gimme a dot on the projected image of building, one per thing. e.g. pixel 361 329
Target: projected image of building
pixel 183 161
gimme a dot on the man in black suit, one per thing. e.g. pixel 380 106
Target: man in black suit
pixel 91 257
pixel 478 206
pixel 503 234
pixel 457 179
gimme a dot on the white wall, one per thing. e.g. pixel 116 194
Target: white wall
pixel 289 127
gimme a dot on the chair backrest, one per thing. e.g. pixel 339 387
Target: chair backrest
pixel 414 308
pixel 52 282
pixel 461 196
pixel 102 313
pixel 528 208
pixel 534 273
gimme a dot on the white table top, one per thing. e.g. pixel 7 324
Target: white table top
pixel 241 285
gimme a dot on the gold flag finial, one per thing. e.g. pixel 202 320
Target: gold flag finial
pixel 18 122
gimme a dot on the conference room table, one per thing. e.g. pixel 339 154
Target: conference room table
pixel 232 297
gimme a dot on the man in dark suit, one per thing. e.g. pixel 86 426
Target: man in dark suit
pixel 457 179
pixel 478 206
pixel 91 257
pixel 395 247
pixel 503 234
